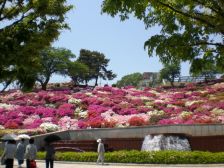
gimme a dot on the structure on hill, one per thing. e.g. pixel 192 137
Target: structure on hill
pixel 150 79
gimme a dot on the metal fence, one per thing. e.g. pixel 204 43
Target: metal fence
pixel 193 79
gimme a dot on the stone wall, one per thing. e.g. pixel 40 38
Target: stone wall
pixel 197 134
pixel 141 132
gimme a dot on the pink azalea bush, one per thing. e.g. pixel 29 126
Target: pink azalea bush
pixel 109 107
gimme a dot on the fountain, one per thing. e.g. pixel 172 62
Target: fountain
pixel 165 142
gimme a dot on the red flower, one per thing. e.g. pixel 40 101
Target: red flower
pixel 136 121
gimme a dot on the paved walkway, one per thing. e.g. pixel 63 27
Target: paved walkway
pixel 58 164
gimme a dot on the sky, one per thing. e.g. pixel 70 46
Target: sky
pixel 121 42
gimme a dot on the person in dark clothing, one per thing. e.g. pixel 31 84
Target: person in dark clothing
pixel 50 153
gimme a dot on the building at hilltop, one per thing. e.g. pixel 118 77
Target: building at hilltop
pixel 150 79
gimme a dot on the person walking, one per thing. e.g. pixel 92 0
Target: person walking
pixel 9 153
pixel 30 153
pixel 50 153
pixel 20 151
pixel 100 151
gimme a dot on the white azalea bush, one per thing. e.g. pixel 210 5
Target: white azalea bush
pixel 79 113
pixel 189 103
pixel 185 114
pixel 217 111
pixel 72 100
pixel 6 106
pixel 49 127
pixel 155 116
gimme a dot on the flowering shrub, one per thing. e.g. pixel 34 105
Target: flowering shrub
pixel 49 127
pixel 95 122
pixel 11 125
pixel 67 123
pixel 65 110
pixel 110 123
pixel 110 107
pixel 136 121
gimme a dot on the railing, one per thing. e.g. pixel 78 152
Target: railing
pixel 193 79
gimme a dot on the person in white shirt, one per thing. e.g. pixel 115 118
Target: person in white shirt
pixel 31 152
pixel 100 150
pixel 9 153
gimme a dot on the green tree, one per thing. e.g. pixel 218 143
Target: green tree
pixel 191 30
pixel 26 75
pixel 170 72
pixel 130 80
pixel 53 60
pixel 26 28
pixel 77 72
pixel 206 69
pixel 97 64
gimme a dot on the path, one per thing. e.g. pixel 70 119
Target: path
pixel 41 164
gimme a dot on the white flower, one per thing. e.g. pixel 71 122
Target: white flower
pixel 156 113
pixel 189 103
pixel 145 98
pixel 171 105
pixel 218 111
pixel 203 91
pixel 81 113
pixel 2 127
pixel 119 125
pixel 102 92
pixel 149 104
pixel 74 101
pixel 185 114
pixel 49 127
pixel 159 101
pixel 50 105
pixel 89 94
pixel 6 106
pixel 154 92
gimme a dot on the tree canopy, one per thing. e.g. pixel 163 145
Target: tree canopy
pixel 77 71
pixel 53 60
pixel 191 30
pixel 170 71
pixel 130 80
pixel 26 28
pixel 97 64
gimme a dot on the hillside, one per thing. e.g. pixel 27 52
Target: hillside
pixel 107 107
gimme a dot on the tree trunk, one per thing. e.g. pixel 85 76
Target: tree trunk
pixel 172 83
pixel 44 85
pixel 96 82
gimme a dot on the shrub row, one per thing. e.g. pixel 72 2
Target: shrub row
pixel 158 157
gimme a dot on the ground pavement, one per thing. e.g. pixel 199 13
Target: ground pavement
pixel 41 164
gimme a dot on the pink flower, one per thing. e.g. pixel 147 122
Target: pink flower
pixel 66 110
pixel 45 112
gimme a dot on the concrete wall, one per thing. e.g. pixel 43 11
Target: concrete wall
pixel 136 132
pixel 141 132
pixel 196 133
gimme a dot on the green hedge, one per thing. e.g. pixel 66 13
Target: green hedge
pixel 158 157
